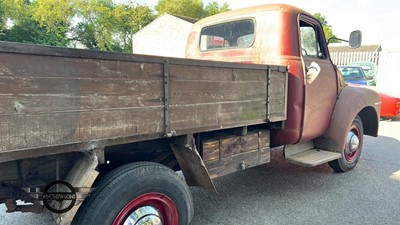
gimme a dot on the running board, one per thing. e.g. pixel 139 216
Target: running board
pixel 313 157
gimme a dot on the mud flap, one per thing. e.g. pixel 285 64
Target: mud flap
pixel 193 167
pixel 82 174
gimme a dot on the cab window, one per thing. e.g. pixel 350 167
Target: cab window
pixel 235 34
pixel 310 41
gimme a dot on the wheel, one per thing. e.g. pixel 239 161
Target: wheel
pixel 353 147
pixel 138 193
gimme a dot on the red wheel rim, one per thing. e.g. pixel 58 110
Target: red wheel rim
pixel 162 203
pixel 353 155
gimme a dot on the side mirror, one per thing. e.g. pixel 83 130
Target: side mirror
pixel 355 39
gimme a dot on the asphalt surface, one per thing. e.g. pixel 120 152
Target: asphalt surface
pixel 281 193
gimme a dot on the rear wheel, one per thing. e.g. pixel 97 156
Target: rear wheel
pixel 353 147
pixel 138 193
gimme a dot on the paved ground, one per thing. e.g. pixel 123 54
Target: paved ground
pixel 281 193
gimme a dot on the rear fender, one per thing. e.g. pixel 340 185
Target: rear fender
pixel 352 101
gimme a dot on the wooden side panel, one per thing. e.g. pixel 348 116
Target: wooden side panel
pixel 277 96
pixel 49 101
pixel 206 98
pixel 53 96
pixel 229 154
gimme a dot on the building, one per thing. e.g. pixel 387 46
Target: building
pixel 165 36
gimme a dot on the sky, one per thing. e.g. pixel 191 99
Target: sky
pixel 379 21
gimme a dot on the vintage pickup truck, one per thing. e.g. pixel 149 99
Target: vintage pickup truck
pixel 117 126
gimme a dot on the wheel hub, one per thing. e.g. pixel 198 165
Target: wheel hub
pixel 149 208
pixel 352 143
pixel 143 216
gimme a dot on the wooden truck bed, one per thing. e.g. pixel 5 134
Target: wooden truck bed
pixel 55 100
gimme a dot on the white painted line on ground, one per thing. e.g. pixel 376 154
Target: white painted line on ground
pixel 395 176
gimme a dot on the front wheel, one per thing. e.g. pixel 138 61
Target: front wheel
pixel 138 193
pixel 353 147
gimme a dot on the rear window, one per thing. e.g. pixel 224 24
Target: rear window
pixel 235 34
pixel 351 73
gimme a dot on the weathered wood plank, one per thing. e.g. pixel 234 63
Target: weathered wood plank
pixel 187 92
pixel 211 150
pixel 238 162
pixel 220 146
pixel 277 93
pixel 218 114
pixel 48 66
pixel 33 104
pixel 237 145
pixel 203 73
pixel 77 87
pixel 22 131
pixel 232 153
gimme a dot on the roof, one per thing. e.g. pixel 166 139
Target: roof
pixel 187 19
pixel 362 48
pixel 252 10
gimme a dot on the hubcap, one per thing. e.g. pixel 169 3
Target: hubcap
pixel 352 144
pixel 150 208
pixel 144 216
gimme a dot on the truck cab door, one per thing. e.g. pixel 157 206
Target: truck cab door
pixel 320 79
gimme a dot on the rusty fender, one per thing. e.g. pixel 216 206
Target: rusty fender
pixel 352 101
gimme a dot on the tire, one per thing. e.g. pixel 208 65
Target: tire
pixel 144 187
pixel 351 153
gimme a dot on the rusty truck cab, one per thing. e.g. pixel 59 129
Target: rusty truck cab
pixel 280 35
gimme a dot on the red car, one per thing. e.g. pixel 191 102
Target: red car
pixel 390 105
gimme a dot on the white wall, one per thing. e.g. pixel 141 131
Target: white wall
pixel 389 72
pixel 165 36
pixel 389 68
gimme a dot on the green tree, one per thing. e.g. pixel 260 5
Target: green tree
pixel 54 15
pixel 30 31
pixel 129 19
pixel 95 27
pixel 326 27
pixel 2 20
pixel 15 9
pixel 190 8
pixel 93 24
pixel 25 28
pixel 107 26
pixel 213 8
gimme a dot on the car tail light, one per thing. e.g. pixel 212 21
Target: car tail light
pixel 398 104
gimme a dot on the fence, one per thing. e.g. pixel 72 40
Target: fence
pixel 344 58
